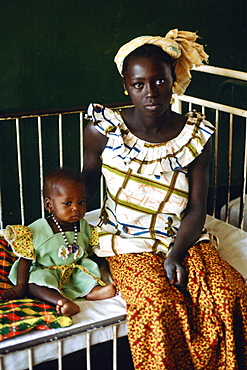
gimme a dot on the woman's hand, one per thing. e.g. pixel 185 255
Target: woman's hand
pixel 176 274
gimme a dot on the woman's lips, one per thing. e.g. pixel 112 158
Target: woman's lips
pixel 152 106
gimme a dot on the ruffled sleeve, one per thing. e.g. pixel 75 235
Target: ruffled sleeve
pixel 94 238
pixel 21 240
pixel 189 144
pixel 105 120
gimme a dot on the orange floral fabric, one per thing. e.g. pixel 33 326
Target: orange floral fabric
pixel 169 331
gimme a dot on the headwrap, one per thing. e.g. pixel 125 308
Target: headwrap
pixel 180 45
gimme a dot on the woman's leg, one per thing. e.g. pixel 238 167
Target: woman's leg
pixel 170 331
pixel 219 297
pixel 154 328
pixel 63 305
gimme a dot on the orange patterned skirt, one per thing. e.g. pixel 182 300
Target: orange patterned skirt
pixel 206 330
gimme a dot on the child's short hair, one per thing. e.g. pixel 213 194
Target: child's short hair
pixel 57 175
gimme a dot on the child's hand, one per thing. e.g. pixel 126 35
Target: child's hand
pixel 176 274
pixel 16 292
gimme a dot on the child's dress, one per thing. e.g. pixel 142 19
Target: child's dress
pixel 72 274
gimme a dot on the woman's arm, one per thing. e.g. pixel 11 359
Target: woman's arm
pixel 193 220
pixel 94 144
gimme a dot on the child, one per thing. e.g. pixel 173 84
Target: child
pixel 53 264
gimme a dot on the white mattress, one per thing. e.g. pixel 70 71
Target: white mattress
pixel 232 243
pixel 233 210
pixel 232 246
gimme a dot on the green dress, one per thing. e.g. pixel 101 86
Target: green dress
pixel 72 274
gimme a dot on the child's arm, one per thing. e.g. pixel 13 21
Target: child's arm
pixel 19 290
pixel 23 274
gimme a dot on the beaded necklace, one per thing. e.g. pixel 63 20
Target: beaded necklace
pixel 71 247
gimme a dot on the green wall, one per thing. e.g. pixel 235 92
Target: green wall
pixel 59 53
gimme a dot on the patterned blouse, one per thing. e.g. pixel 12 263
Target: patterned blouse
pixel 147 183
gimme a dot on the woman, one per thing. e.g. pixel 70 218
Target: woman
pixel 186 307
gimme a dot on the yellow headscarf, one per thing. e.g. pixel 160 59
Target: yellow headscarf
pixel 180 45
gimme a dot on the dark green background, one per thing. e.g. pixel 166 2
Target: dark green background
pixel 59 53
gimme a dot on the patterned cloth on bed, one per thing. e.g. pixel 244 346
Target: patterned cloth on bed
pixel 22 315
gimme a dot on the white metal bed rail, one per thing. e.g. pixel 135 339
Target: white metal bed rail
pixel 39 140
pixel 59 337
pixel 232 112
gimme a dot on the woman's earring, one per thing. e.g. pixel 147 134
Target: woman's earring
pixel 175 84
pixel 126 92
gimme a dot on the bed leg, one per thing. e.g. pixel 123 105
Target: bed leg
pixel 114 347
pixel 1 363
pixel 60 354
pixel 30 358
pixel 88 351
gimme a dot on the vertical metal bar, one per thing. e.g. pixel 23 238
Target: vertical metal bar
pixel 229 169
pixel 81 140
pixel 30 358
pixel 190 106
pixel 1 363
pixel 88 351
pixel 203 109
pixel 18 147
pixel 114 329
pixel 60 139
pixel 216 161
pixel 1 213
pixel 41 166
pixel 177 105
pixel 101 191
pixel 60 354
pixel 241 216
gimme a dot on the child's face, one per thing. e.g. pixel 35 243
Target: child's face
pixel 67 202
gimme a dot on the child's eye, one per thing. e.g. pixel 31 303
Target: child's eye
pixel 67 203
pixel 160 81
pixel 81 202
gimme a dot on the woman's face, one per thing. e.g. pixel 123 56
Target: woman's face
pixel 149 83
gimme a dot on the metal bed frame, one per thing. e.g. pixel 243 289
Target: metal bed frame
pixel 181 104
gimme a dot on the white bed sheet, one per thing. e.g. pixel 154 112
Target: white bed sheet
pixel 232 246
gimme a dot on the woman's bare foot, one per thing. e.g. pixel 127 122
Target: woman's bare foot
pixel 103 292
pixel 68 308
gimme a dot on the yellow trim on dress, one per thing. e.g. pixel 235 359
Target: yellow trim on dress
pixel 20 239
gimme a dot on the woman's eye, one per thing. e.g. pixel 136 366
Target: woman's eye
pixel 160 81
pixel 138 85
